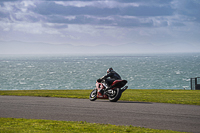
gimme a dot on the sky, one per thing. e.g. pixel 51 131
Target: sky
pixel 99 26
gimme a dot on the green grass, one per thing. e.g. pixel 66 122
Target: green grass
pixel 18 125
pixel 191 97
pixel 49 93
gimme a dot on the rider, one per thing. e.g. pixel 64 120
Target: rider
pixel 110 77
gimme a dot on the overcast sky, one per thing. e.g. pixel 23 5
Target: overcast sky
pixel 90 26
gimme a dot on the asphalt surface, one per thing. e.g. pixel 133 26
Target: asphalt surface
pixel 175 117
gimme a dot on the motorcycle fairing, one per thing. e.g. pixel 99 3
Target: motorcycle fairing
pixel 115 84
pixel 99 87
pixel 118 83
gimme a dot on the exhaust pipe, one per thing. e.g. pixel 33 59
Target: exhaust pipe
pixel 123 89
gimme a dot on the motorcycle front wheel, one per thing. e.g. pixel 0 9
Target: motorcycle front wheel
pixel 93 95
pixel 116 95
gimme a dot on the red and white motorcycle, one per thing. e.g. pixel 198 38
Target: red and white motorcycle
pixel 113 94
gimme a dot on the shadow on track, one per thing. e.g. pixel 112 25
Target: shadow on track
pixel 123 102
pixel 133 102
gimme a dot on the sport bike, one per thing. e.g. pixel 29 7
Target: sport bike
pixel 113 94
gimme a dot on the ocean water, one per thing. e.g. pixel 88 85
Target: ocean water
pixel 142 71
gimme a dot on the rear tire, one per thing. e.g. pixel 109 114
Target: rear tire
pixel 116 95
pixel 93 95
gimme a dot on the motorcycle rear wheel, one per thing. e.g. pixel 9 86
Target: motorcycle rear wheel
pixel 116 95
pixel 93 95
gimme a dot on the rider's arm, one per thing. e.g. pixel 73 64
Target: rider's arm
pixel 107 75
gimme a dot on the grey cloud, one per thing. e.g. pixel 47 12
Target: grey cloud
pixel 132 22
pixel 112 21
pixel 147 11
pixel 9 0
pixel 56 13
pixel 188 8
pixel 147 2
pixel 192 9
pixel 50 12
pixel 80 19
pixel 177 24
pixel 57 26
pixel 50 8
pixel 3 15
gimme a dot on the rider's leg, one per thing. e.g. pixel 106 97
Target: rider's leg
pixel 108 83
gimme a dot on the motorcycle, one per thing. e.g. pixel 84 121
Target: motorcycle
pixel 113 94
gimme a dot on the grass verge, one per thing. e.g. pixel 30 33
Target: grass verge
pixel 18 125
pixel 190 97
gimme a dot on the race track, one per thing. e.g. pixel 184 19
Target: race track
pixel 150 115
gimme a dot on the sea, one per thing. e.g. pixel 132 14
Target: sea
pixel 73 72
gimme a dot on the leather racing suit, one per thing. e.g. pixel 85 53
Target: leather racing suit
pixel 110 78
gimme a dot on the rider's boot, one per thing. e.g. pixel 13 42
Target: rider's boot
pixel 107 88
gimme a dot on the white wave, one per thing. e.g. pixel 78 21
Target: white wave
pixel 30 66
pixel 178 72
pixel 52 72
pixel 186 79
pixel 22 83
pixel 5 61
pixel 185 87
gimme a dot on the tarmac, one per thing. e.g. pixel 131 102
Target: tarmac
pixel 176 117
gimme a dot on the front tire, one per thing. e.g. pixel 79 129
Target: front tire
pixel 93 95
pixel 116 95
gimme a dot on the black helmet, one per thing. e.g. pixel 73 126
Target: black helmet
pixel 109 70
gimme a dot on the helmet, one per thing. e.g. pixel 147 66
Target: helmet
pixel 109 70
